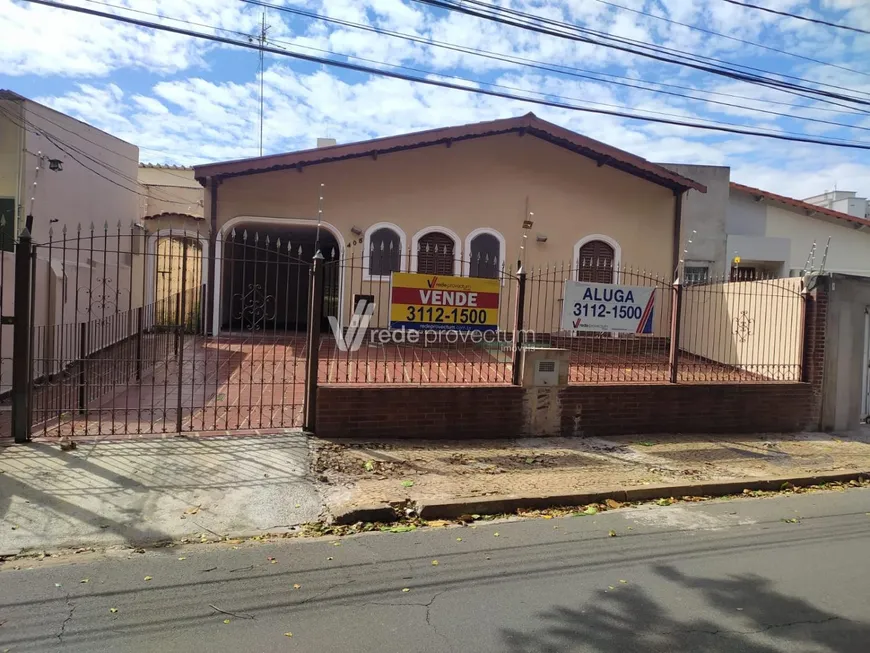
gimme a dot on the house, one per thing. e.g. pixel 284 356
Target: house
pixel 774 235
pixel 468 200
pixel 769 235
pixel 75 187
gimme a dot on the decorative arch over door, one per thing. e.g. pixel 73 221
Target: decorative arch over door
pixel 596 259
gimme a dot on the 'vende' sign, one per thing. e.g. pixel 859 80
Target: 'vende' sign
pixel 425 301
pixel 607 307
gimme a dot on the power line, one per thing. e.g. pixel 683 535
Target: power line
pixel 818 21
pixel 601 104
pixel 536 65
pixel 657 53
pixel 433 82
pixel 732 38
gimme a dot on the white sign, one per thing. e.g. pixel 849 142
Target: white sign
pixel 607 307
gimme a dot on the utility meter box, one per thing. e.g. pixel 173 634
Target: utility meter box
pixel 544 367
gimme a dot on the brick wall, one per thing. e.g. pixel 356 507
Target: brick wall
pixel 419 411
pixel 589 410
pixel 815 332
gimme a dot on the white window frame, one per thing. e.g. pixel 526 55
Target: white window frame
pixel 502 248
pixel 617 252
pixel 367 240
pixel 457 248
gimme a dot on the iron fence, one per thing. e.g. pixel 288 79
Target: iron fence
pixel 449 345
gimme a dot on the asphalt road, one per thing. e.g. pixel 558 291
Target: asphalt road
pixel 713 577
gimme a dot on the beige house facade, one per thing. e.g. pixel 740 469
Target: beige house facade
pixel 492 196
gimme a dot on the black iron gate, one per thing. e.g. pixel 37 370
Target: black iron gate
pixel 126 337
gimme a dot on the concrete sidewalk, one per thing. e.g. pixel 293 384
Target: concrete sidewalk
pixel 149 490
pixel 392 471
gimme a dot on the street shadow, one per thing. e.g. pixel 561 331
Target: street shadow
pixel 742 613
pixel 54 489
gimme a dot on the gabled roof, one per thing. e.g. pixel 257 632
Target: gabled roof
pixel 527 124
pixel 812 210
pixel 164 166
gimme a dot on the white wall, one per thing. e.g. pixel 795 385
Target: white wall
pixel 850 248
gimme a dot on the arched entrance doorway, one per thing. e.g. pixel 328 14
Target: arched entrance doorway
pixel 264 270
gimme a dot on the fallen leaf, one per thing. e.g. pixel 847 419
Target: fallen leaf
pixel 435 523
pixel 793 520
pixel 182 558
pixel 495 534
pixel 369 466
pixel 434 563
pixel 611 587
pixel 85 580
pixel 406 589
pixel 57 584
pixel 548 516
pixel 590 510
pixel 665 501
pixel 613 504
pixel 298 505
pixel 192 511
pixel 288 634
pixel 147 577
pixel 226 621
pixel 623 581
pixel 740 609
pixel 458 539
pixel 113 610
pixel 407 483
pixel 329 558
pixel 296 586
pixel 611 533
pixel 530 461
pixel 336 543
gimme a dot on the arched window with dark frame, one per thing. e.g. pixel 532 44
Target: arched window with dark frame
pixel 484 256
pixel 436 254
pixel 595 262
pixel 384 252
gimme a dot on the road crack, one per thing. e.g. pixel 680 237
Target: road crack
pixel 750 632
pixel 69 616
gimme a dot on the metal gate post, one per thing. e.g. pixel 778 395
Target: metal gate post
pixel 676 318
pixel 22 357
pixel 519 324
pixel 315 315
pixel 179 339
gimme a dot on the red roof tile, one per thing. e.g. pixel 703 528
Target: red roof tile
pixel 530 124
pixel 806 207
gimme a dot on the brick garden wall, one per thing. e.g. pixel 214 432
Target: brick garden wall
pixel 472 411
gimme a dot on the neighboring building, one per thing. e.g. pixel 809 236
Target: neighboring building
pixel 844 201
pixel 776 235
pixel 171 197
pixel 58 174
pixel 453 201
pixel 771 235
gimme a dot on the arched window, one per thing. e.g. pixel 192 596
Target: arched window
pixel 384 250
pixel 595 262
pixel 485 252
pixel 436 254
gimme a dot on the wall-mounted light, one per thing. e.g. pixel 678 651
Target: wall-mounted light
pixel 55 164
pixel 356 231
pixel 541 238
pixel 528 224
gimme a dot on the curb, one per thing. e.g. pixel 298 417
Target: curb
pixel 507 504
pixel 346 515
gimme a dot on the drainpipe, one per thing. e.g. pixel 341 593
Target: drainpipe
pixel 678 221
pixel 213 183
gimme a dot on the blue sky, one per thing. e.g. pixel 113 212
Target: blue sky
pixel 184 100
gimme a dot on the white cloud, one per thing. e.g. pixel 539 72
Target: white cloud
pixel 195 114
